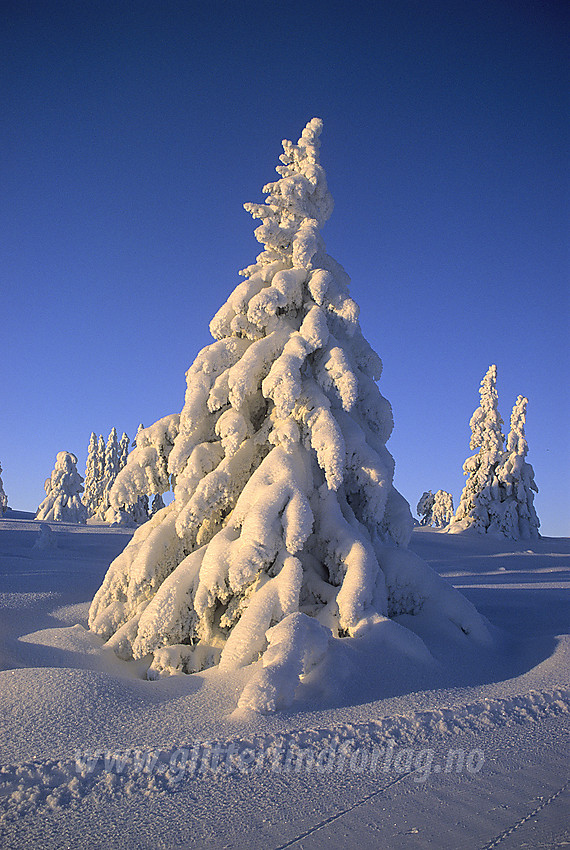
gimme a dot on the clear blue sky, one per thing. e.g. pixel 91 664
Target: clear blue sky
pixel 132 133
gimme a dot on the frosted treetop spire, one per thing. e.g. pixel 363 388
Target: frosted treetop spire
pixel 297 205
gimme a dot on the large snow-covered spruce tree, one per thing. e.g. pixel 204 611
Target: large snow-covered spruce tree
pixel 285 531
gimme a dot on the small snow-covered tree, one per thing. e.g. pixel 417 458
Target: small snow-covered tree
pixel 103 464
pixel 285 530
pixel 139 429
pixel 518 518
pixel 3 497
pixel 101 481
pixel 140 510
pixel 140 507
pixel 91 492
pixel 46 538
pixel 481 495
pixel 129 514
pixel 442 509
pixel 110 472
pixel 123 451
pixel 111 459
pixel 425 507
pixel 157 504
pixel 63 492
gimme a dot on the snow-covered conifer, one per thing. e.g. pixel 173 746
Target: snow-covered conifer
pixel 518 518
pixel 63 492
pixel 129 514
pixel 3 497
pixel 90 495
pixel 478 507
pixel 425 507
pixel 285 530
pixel 111 457
pixel 442 509
pixel 134 513
pixel 157 504
pixel 100 486
pixel 139 429
pixel 140 510
pixel 110 472
pixel 123 451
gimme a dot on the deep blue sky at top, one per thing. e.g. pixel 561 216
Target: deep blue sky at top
pixel 132 133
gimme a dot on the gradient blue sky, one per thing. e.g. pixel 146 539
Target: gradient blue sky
pixel 132 133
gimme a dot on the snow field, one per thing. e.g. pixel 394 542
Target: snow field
pixel 83 728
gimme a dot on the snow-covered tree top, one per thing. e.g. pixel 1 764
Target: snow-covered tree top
pixel 517 441
pixel 486 423
pixel 3 497
pixel 65 462
pixel 297 205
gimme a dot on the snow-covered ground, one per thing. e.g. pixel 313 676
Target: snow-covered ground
pixel 468 749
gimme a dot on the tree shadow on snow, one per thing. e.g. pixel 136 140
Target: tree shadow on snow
pixel 522 592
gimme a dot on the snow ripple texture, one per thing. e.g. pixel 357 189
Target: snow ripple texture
pixel 56 784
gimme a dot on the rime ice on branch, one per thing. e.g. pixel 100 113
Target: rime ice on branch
pixel 285 530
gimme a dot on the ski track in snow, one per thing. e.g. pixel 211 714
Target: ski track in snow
pixel 344 812
pixel 60 783
pixel 507 832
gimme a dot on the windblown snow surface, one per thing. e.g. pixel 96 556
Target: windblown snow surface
pixel 387 745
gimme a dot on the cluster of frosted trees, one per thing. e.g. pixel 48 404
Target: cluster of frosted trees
pixel 498 496
pixel 3 497
pixel 64 501
pixel 285 531
pixel 104 462
pixel 67 500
